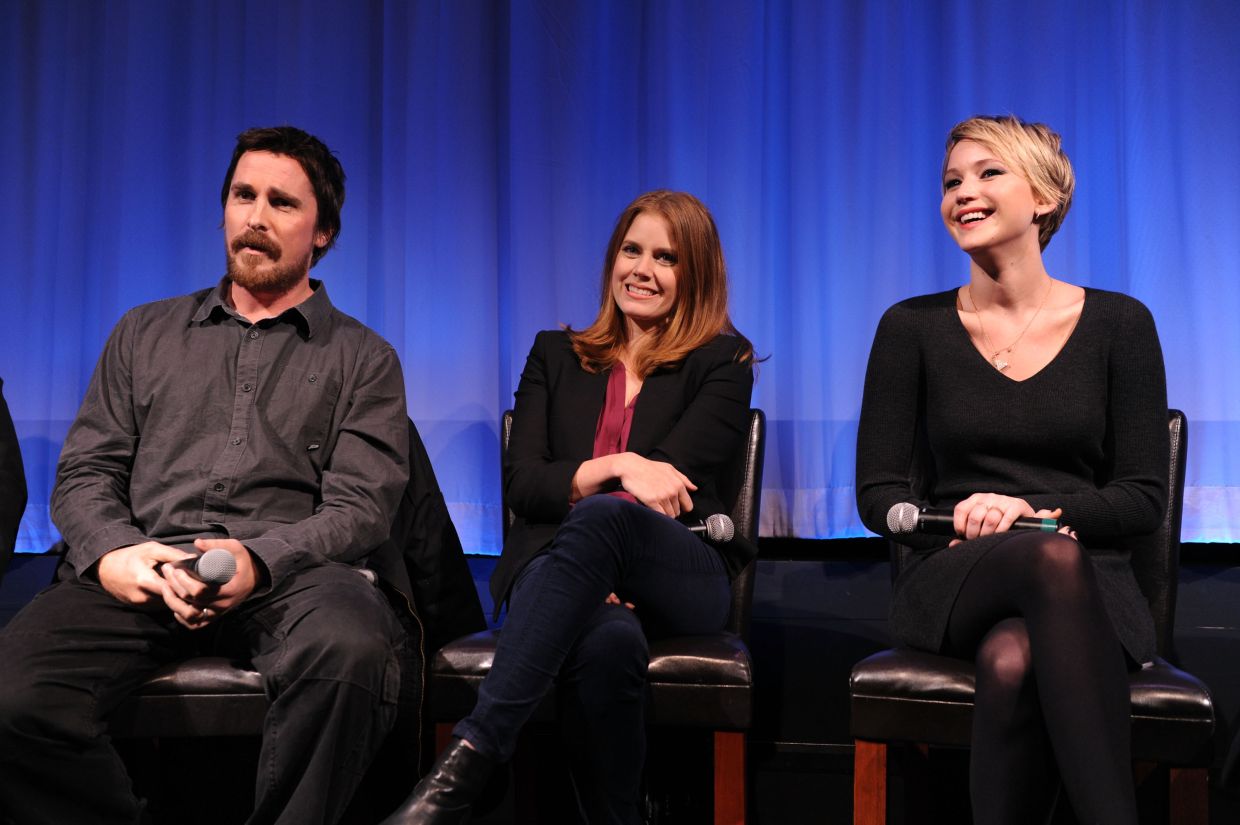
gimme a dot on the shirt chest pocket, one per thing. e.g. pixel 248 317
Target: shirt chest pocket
pixel 298 412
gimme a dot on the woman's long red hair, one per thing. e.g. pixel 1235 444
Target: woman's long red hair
pixel 701 309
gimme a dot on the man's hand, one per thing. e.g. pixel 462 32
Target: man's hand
pixel 196 604
pixel 130 574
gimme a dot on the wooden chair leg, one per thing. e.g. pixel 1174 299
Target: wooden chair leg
pixel 729 778
pixel 1142 771
pixel 922 785
pixel 530 778
pixel 443 736
pixel 1189 796
pixel 524 774
pixel 869 783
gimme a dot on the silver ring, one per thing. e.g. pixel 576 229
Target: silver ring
pixel 202 617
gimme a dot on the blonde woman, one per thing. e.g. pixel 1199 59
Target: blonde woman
pixel 1035 398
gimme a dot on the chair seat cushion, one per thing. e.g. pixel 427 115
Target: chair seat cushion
pixel 208 696
pixel 209 675
pixel 1172 716
pixel 910 696
pixel 701 681
pixel 696 681
pixel 906 695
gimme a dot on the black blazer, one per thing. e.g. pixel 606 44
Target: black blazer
pixel 693 416
pixel 12 485
pixel 422 559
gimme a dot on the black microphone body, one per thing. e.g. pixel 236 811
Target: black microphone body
pixel 215 567
pixel 906 517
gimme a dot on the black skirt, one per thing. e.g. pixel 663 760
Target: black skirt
pixel 926 590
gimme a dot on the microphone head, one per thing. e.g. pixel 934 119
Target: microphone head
pixel 216 566
pixel 902 518
pixel 719 528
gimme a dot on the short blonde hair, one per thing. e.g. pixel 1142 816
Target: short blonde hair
pixel 1035 151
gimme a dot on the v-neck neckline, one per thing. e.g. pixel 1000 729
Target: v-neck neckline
pixel 968 340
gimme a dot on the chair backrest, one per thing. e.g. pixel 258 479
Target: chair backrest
pixel 1155 557
pixel 740 482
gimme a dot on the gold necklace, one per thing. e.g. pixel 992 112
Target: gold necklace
pixel 1000 363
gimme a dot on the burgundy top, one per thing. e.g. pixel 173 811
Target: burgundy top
pixel 611 435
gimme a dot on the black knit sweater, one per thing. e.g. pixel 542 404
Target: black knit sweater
pixel 1087 433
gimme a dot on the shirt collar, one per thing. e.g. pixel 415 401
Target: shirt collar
pixel 308 316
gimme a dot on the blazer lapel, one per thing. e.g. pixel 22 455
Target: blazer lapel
pixel 583 407
pixel 657 404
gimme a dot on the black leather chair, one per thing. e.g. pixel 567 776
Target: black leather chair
pixel 695 681
pixel 908 696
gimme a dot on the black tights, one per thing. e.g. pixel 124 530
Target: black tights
pixel 1052 685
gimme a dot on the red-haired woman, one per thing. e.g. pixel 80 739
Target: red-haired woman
pixel 618 433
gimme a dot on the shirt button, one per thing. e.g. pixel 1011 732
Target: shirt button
pixel 313 378
pixel 236 441
pixel 246 387
pixel 253 334
pixel 219 488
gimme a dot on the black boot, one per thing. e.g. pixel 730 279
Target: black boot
pixel 445 795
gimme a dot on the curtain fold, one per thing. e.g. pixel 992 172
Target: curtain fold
pixel 490 145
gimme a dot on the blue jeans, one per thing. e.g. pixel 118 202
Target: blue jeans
pixel 559 626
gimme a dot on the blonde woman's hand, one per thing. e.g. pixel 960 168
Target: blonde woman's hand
pixel 1056 513
pixel 982 514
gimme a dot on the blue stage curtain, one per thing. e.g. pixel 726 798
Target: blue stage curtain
pixel 490 145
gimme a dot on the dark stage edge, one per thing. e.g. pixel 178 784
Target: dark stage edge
pixel 820 606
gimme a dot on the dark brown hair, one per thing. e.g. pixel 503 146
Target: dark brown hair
pixel 317 161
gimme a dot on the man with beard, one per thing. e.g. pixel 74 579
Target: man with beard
pixel 254 417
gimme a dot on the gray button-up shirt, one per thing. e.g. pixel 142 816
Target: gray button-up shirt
pixel 289 435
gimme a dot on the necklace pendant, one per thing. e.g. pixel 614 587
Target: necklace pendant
pixel 999 363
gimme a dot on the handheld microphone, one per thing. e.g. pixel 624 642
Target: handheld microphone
pixel 717 529
pixel 906 517
pixel 216 566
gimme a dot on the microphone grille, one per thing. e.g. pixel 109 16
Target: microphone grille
pixel 720 529
pixel 216 566
pixel 902 518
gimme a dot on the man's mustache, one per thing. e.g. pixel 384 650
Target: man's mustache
pixel 256 240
